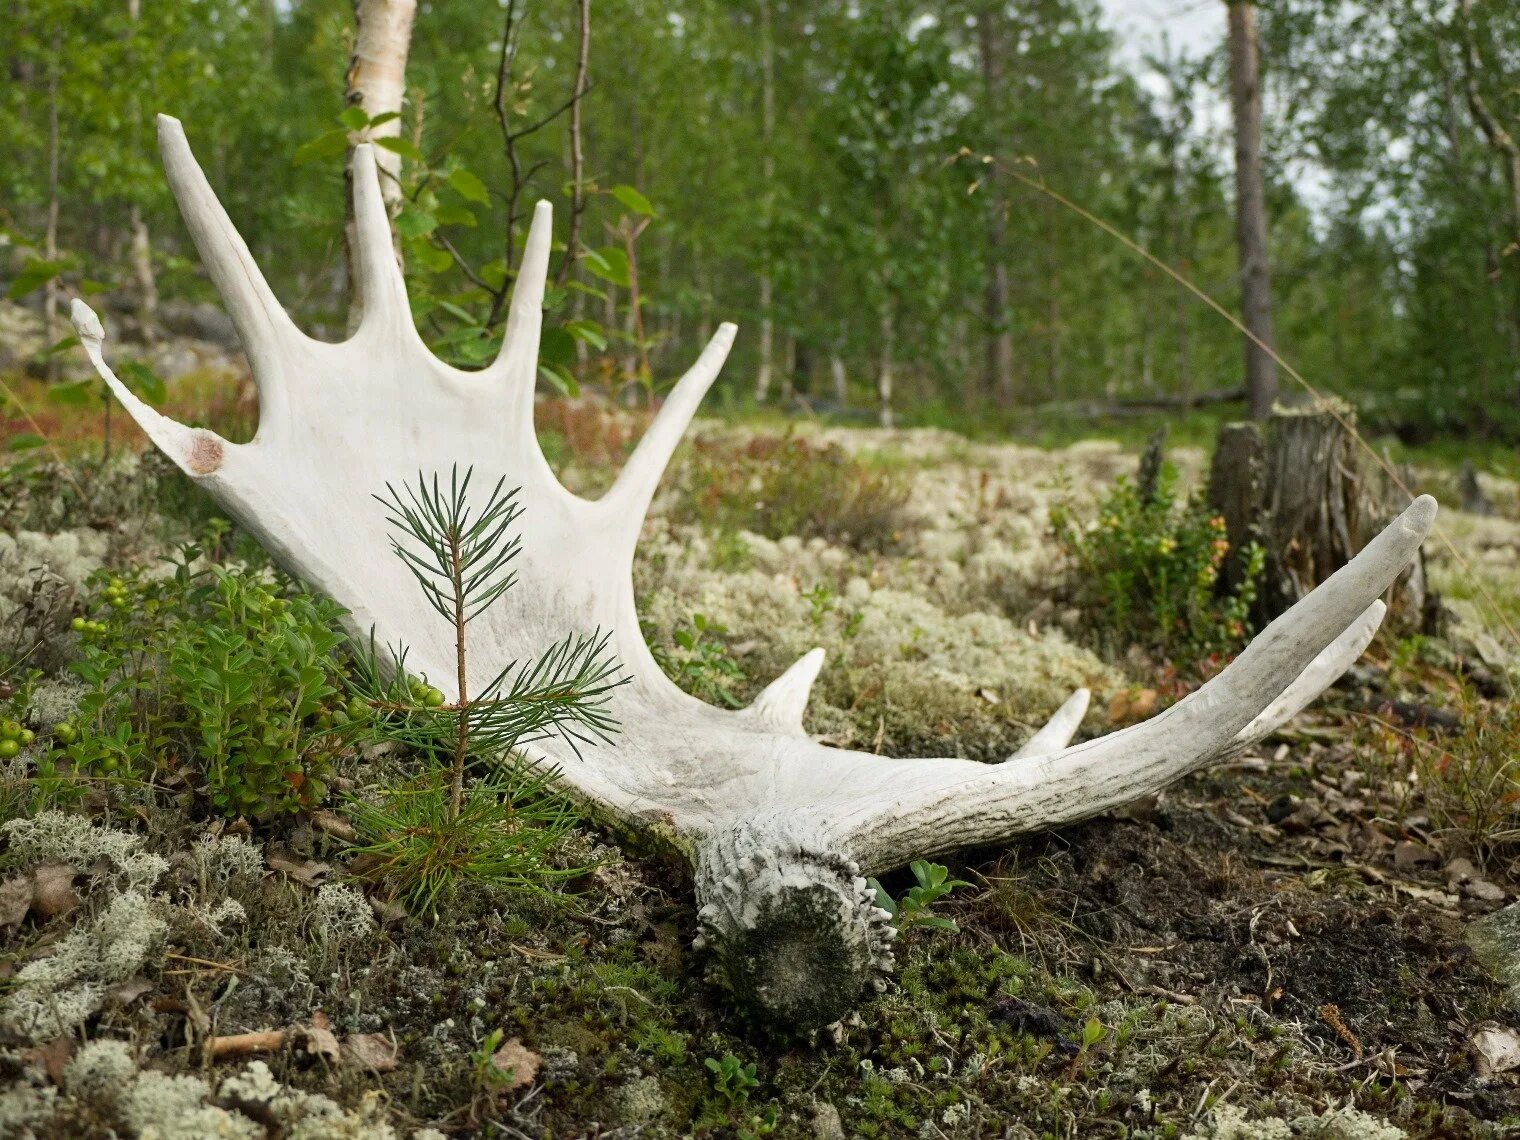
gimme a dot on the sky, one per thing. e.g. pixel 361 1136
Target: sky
pixel 1194 26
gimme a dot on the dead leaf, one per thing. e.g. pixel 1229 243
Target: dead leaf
pixel 371 1051
pixel 129 991
pixel 318 1038
pixel 15 901
pixel 1495 1049
pixel 53 1057
pixel 334 825
pixel 311 872
pixel 388 912
pixel 521 1062
pixel 53 889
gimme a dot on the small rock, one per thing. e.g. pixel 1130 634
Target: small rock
pixel 826 1122
pixel 1408 855
pixel 1495 942
pixel 1484 890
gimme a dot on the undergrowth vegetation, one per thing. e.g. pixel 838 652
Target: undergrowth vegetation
pixel 1176 969
pixel 780 485
pixel 1147 571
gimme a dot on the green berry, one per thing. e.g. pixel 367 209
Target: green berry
pixel 110 763
pixel 9 748
pixel 65 733
pixel 357 709
pixel 79 625
pixel 432 698
pixel 10 730
pixel 27 736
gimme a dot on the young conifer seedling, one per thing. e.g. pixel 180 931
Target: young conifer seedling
pixel 442 827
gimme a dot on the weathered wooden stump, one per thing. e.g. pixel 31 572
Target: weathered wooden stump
pixel 1307 490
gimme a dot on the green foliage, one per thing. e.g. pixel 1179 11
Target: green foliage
pixel 214 680
pixel 913 909
pixel 502 836
pixel 732 1079
pixel 1148 571
pixel 443 830
pixel 699 661
pixel 1470 779
pixel 780 485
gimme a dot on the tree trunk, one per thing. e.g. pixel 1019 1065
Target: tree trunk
pixel 840 378
pixel 884 371
pixel 147 284
pixel 1251 209
pixel 50 293
pixel 1306 490
pixel 999 363
pixel 577 151
pixel 376 82
pixel 767 178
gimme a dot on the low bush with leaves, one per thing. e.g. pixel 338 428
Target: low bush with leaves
pixel 220 682
pixel 932 882
pixel 1147 571
pixel 780 485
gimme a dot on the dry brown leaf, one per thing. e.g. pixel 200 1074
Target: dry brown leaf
pixel 53 889
pixel 129 991
pixel 53 1057
pixel 1495 1049
pixel 521 1062
pixel 15 901
pixel 319 1039
pixel 311 872
pixel 334 825
pixel 371 1051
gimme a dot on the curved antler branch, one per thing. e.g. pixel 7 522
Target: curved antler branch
pixel 197 452
pixel 1091 778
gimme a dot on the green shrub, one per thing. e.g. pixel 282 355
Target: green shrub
pixel 1148 571
pixel 221 681
pixel 789 485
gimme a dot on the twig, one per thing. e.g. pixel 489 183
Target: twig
pixel 244 1044
pixel 577 155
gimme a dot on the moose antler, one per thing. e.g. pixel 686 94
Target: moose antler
pixel 779 828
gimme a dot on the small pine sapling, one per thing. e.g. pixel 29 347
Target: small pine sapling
pixel 498 830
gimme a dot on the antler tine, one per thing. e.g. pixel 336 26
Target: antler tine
pixel 1322 672
pixel 1057 732
pixel 517 364
pixel 382 287
pixel 196 451
pixel 262 324
pixel 1103 773
pixel 634 489
pixel 781 704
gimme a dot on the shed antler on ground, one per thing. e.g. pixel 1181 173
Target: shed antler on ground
pixel 781 830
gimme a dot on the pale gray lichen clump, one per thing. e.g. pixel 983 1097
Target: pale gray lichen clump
pixel 1233 1123
pixel 344 917
pixel 55 837
pixel 53 995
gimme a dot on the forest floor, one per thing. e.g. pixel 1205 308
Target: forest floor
pixel 1273 948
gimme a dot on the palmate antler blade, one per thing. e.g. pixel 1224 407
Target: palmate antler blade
pixel 779 829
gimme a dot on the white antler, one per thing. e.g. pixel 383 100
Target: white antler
pixel 780 829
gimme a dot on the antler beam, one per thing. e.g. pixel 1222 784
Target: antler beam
pixel 780 830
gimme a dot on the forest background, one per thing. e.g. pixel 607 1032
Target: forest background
pixel 820 173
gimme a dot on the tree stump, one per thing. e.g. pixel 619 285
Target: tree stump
pixel 1308 492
